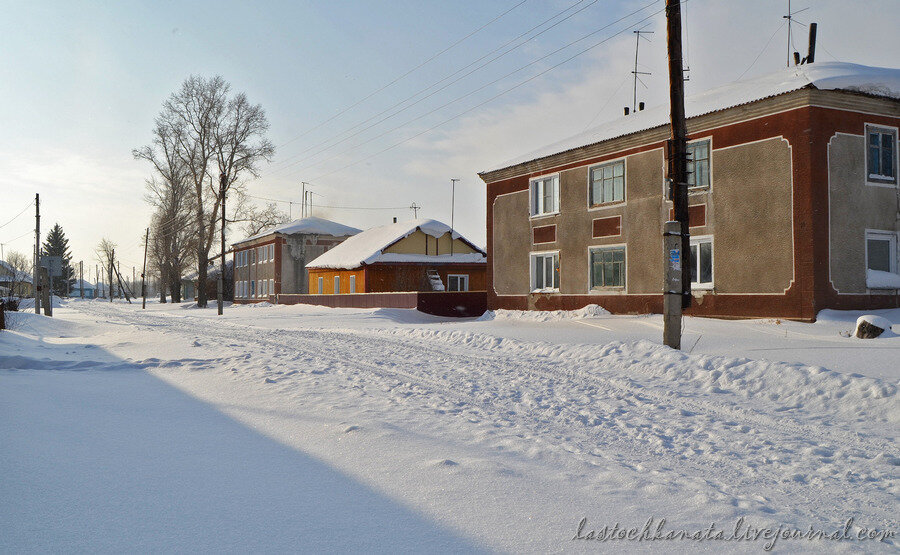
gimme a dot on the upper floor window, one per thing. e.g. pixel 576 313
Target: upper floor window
pixel 608 267
pixel 698 164
pixel 608 183
pixel 881 155
pixel 545 271
pixel 545 195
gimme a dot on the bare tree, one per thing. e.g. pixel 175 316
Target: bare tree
pixel 105 252
pixel 15 271
pixel 220 141
pixel 257 219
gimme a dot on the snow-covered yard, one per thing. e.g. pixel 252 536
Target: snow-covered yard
pixel 297 428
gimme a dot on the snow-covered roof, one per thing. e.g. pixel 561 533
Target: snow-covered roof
pixel 78 283
pixel 9 271
pixel 367 247
pixel 876 81
pixel 310 225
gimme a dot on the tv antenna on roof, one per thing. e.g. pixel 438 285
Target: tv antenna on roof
pixel 791 51
pixel 637 45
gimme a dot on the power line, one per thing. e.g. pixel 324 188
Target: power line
pixel 335 207
pixel 29 232
pixel 505 91
pixel 766 47
pixel 286 163
pixel 370 95
pixel 30 204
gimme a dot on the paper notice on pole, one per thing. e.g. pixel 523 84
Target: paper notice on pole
pixel 675 259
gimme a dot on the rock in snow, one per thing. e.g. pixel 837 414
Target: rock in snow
pixel 870 326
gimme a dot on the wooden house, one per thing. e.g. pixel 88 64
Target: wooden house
pixel 418 255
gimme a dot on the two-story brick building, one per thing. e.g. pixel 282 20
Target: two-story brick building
pixel 794 203
pixel 274 261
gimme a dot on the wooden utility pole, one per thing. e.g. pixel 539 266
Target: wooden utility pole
pixel 46 293
pixel 144 272
pixel 109 284
pixel 676 237
pixel 36 274
pixel 452 208
pixel 81 277
pixel 220 285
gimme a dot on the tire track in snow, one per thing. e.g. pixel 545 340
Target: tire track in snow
pixel 635 424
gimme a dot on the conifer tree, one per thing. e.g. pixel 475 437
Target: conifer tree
pixel 58 245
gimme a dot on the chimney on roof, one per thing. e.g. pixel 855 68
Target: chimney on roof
pixel 640 106
pixel 395 219
pixel 627 110
pixel 811 54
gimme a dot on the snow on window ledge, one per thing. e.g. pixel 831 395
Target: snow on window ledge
pixel 876 279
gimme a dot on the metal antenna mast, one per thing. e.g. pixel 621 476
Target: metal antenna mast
pixel 415 208
pixel 637 45
pixel 790 39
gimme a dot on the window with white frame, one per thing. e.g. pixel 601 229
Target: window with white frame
pixel 881 251
pixel 272 252
pixel 271 287
pixel 607 267
pixel 698 164
pixel 337 284
pixel 881 155
pixel 321 283
pixel 252 288
pixel 608 183
pixel 457 282
pixel 545 195
pixel 701 262
pixel 545 272
pixel 353 284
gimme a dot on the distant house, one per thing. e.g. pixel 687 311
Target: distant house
pixel 81 285
pixel 418 255
pixel 793 196
pixel 14 282
pixel 274 261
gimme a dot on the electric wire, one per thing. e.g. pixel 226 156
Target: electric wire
pixel 288 162
pixel 766 47
pixel 30 204
pixel 370 95
pixel 457 99
pixel 497 95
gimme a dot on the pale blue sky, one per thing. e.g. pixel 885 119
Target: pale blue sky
pixel 82 81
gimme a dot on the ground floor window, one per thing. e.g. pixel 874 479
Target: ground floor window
pixel 353 284
pixel 252 288
pixel 881 251
pixel 607 267
pixel 457 282
pixel 701 262
pixel 271 287
pixel 321 285
pixel 337 285
pixel 545 271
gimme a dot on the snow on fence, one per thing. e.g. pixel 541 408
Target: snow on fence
pixel 438 303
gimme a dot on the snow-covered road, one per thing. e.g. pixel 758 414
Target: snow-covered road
pixel 506 443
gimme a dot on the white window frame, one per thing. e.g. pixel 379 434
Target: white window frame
pixel 536 200
pixel 877 180
pixel 337 285
pixel 533 270
pixel 460 278
pixel 353 284
pixel 601 288
pixel 271 286
pixel 708 184
pixel 272 252
pixel 321 284
pixel 883 235
pixel 696 241
pixel 592 203
pixel 252 288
